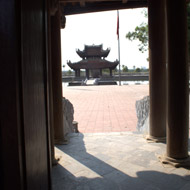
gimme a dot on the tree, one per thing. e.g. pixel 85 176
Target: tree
pixel 138 70
pixel 106 70
pixel 69 72
pixel 125 68
pixel 141 34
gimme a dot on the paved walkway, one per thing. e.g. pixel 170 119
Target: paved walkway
pixel 115 161
pixel 96 160
pixel 105 108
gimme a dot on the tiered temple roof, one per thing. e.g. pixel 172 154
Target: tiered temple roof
pixel 92 58
pixel 93 51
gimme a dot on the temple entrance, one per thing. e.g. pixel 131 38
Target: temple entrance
pixel 96 50
pixel 95 62
pixel 157 134
pixel 96 73
pixel 31 103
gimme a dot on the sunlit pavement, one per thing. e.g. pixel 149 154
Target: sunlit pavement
pixel 115 161
pixel 105 108
pixel 107 155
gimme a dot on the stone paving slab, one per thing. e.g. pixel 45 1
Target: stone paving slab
pixel 115 161
pixel 105 108
pixel 100 109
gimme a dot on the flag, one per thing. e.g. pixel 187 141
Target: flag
pixel 117 24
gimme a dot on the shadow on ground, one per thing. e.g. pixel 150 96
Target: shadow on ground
pixel 115 162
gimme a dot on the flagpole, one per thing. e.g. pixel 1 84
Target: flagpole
pixel 118 47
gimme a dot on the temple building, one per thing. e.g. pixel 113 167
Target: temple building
pixel 93 59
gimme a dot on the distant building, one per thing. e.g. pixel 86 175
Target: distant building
pixel 93 59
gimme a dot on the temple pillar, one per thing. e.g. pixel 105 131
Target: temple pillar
pixel 100 72
pixel 178 88
pixel 78 72
pixel 54 161
pixel 57 78
pixel 75 73
pixel 157 66
pixel 87 73
pixel 110 72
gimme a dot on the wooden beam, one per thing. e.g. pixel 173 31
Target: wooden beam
pixel 82 3
pixel 87 1
pixel 69 9
pixel 92 1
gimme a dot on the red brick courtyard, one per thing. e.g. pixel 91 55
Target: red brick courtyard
pixel 105 108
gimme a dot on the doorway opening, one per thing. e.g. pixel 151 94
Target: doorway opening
pixel 97 108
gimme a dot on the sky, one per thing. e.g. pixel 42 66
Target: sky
pixel 100 28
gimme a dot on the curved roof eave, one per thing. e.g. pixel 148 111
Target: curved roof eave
pixel 93 64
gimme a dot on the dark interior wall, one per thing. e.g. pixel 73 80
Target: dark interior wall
pixel 34 104
pixel 10 102
pixel 24 135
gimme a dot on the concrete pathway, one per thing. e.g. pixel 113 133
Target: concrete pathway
pixel 105 108
pixel 115 161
